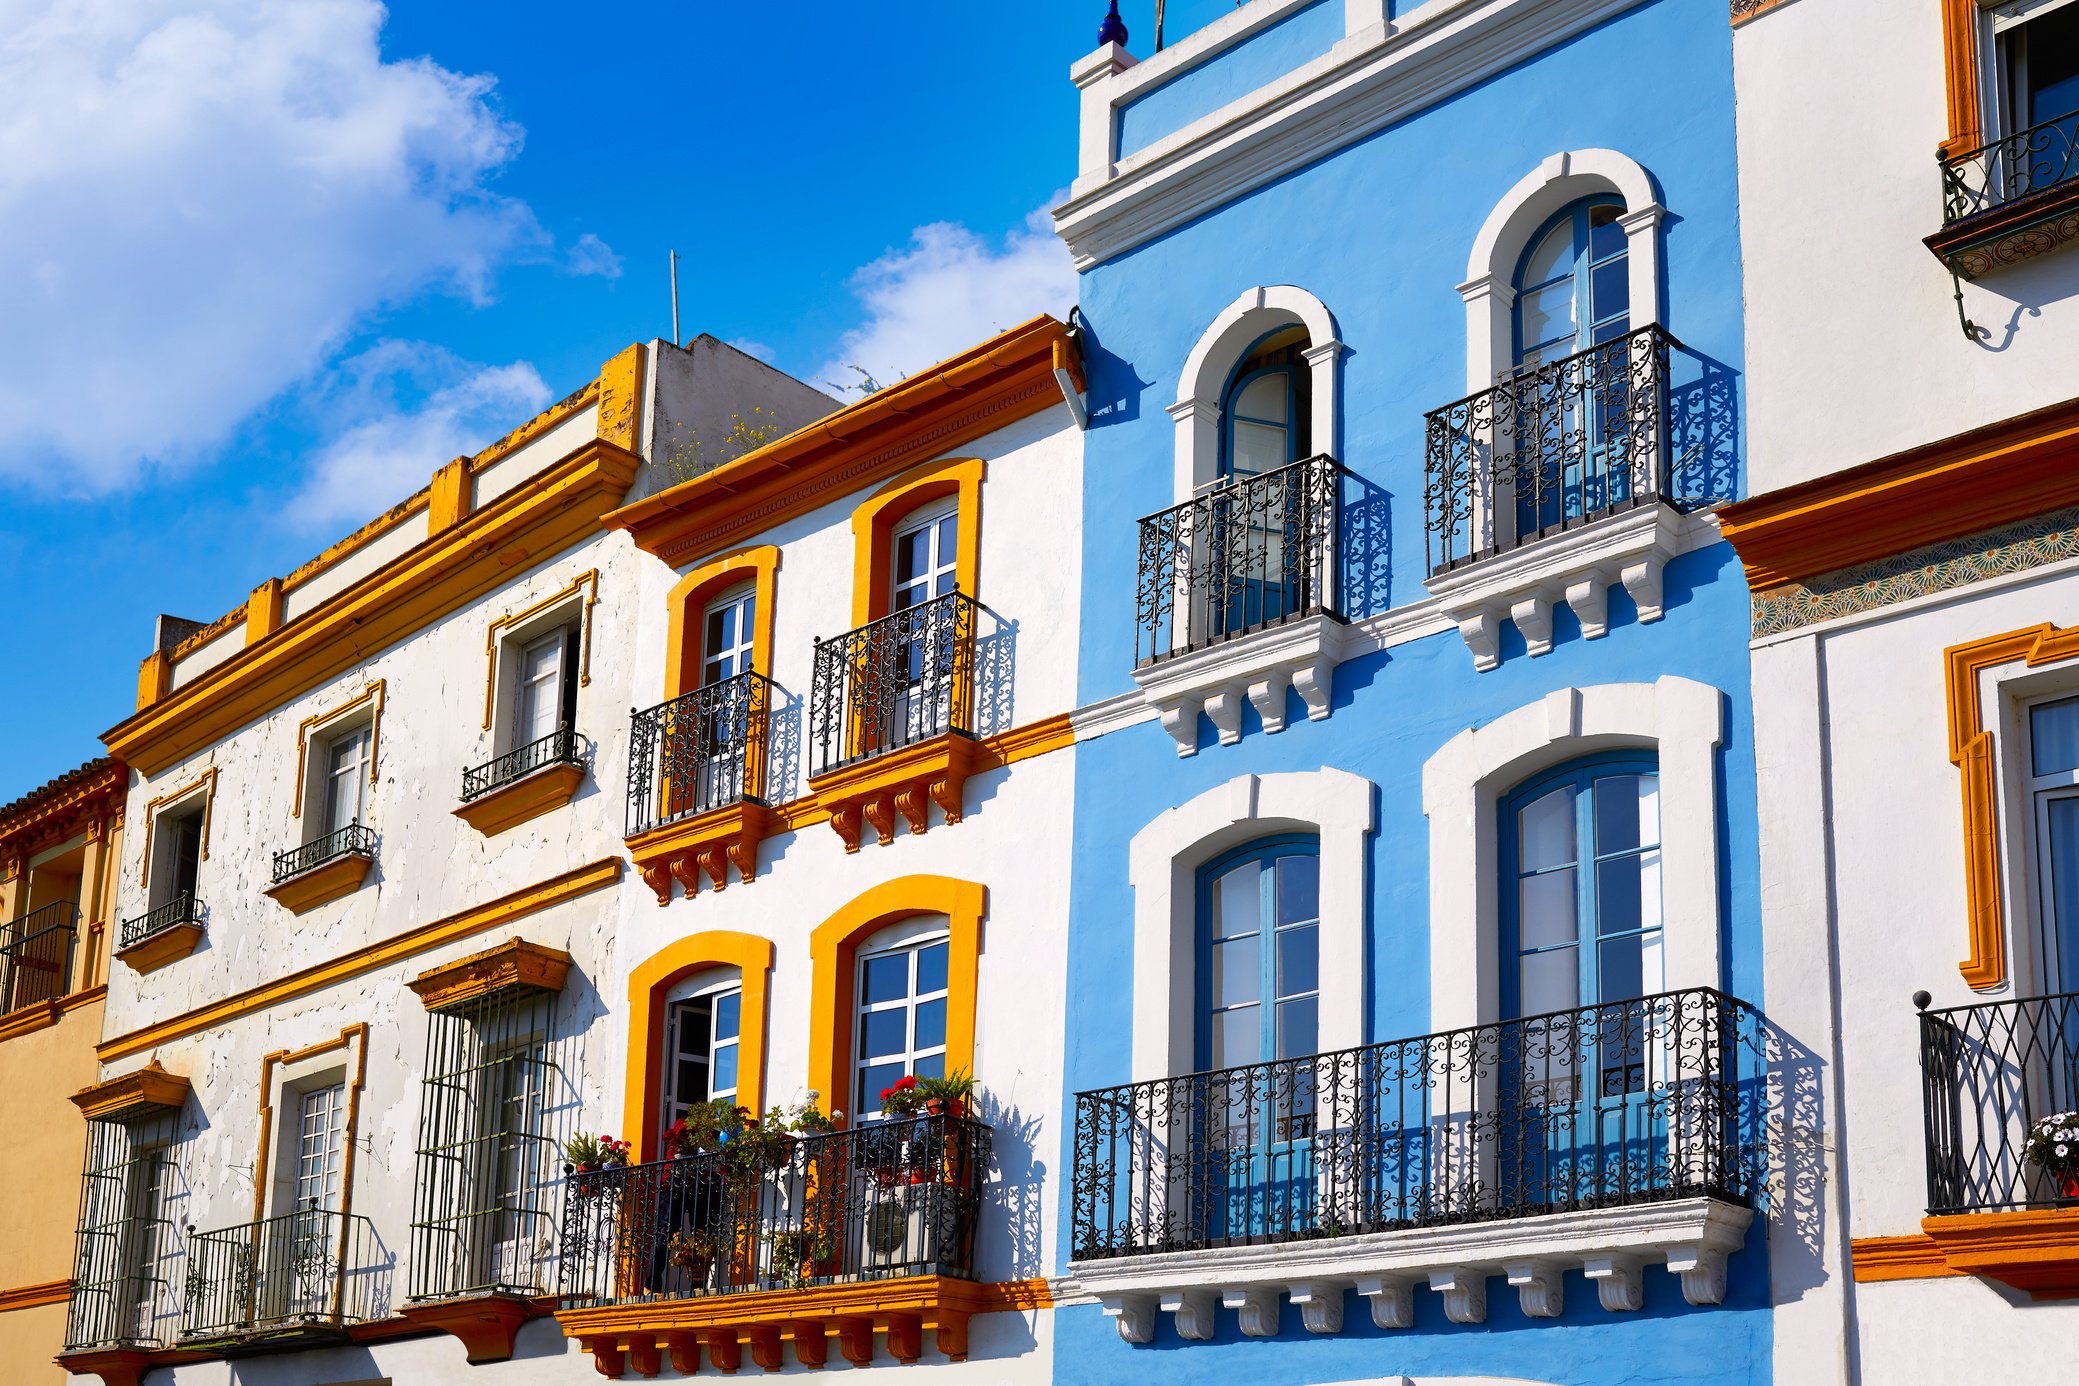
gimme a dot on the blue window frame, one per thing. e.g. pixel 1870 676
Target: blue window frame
pixel 1573 286
pixel 1259 967
pixel 1260 422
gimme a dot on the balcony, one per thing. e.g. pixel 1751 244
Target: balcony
pixel 849 1235
pixel 292 1281
pixel 323 869
pixel 696 785
pixel 1990 1073
pixel 891 718
pixel 1556 483
pixel 1237 596
pixel 2010 200
pixel 524 783
pixel 36 955
pixel 162 935
pixel 1601 1139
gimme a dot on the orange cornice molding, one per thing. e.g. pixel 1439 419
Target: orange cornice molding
pixel 1972 752
pixel 98 786
pixel 149 1089
pixel 1991 476
pixel 31 1296
pixel 649 985
pixel 1911 1257
pixel 1960 21
pixel 1004 379
pixel 512 965
pixel 2033 1250
pixel 558 508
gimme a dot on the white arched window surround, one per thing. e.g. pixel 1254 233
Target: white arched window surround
pixel 1240 325
pixel 1681 720
pixel 1489 290
pixel 1163 862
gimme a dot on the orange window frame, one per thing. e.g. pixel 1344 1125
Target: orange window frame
pixel 875 519
pixel 758 564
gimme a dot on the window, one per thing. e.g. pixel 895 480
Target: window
pixel 1259 954
pixel 2036 56
pixel 125 1288
pixel 925 555
pixel 1574 288
pixel 702 1035
pixel 148 1239
pixel 1265 410
pixel 320 1146
pixel 546 688
pixel 726 645
pixel 177 853
pixel 343 790
pixel 901 1007
pixel 2054 792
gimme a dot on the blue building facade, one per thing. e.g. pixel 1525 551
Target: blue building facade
pixel 1416 1019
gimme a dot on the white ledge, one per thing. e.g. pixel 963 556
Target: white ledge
pixel 1258 667
pixel 1610 1246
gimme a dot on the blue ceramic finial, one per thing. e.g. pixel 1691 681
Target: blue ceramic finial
pixel 1113 30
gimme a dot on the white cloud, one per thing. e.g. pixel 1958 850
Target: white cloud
pixel 750 348
pixel 397 411
pixel 198 201
pixel 590 255
pixel 944 292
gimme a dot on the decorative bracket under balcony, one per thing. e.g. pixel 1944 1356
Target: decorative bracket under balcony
pixel 517 801
pixel 707 844
pixel 2010 200
pixel 1611 1246
pixel 485 1324
pixel 1258 667
pixel 1576 567
pixel 896 786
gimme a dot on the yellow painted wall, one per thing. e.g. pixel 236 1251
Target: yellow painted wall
pixel 28 1340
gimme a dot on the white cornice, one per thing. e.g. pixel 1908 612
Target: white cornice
pixel 1364 84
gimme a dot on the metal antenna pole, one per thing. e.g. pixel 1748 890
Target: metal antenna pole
pixel 675 338
pixel 1158 26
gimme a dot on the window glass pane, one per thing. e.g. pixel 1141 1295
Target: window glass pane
pixel 1546 909
pixel 931 1025
pixel 1235 1038
pixel 1260 448
pixel 1548 314
pixel 1620 974
pixel 2053 71
pixel 948 540
pixel 1550 981
pixel 1553 257
pixel 1617 901
pixel 1617 813
pixel 933 1067
pixel 724 1070
pixel 1266 399
pixel 886 978
pixel 1609 287
pixel 1299 889
pixel 912 555
pixel 931 968
pixel 1605 236
pixel 727 1006
pixel 1298 1028
pixel 883 1033
pixel 873 1080
pixel 1545 830
pixel 1237 967
pixel 2054 736
pixel 1237 902
pixel 1299 967
pixel 2061 864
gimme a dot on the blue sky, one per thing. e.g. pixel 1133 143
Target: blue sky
pixel 269 264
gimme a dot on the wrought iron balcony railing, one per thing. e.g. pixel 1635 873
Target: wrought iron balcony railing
pixel 702 750
pixel 36 955
pixel 895 1198
pixel 1629 1103
pixel 1990 1073
pixel 559 747
pixel 354 840
pixel 894 682
pixel 181 909
pixel 1550 448
pixel 1248 553
pixel 2036 160
pixel 313 1268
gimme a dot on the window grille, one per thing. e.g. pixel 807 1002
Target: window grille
pixel 125 1289
pixel 36 955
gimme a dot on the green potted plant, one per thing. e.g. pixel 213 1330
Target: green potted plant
pixel 2053 1147
pixel 589 1153
pixel 948 1096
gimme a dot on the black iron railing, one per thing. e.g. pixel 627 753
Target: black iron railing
pixel 1633 1102
pixel 1990 1073
pixel 902 679
pixel 1549 448
pixel 354 840
pixel 181 909
pixel 36 955
pixel 312 1268
pixel 1251 552
pixel 125 1290
pixel 2013 167
pixel 559 747
pixel 702 750
pixel 892 1199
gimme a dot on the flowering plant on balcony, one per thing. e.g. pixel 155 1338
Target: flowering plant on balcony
pixel 691 1251
pixel 767 1142
pixel 2053 1147
pixel 705 1128
pixel 588 1153
pixel 902 1099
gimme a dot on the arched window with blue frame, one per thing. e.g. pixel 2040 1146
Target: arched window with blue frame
pixel 1245 573
pixel 1259 953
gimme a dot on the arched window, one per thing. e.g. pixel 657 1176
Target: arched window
pixel 1581 897
pixel 1573 289
pixel 901 992
pixel 703 1032
pixel 1265 410
pixel 1259 951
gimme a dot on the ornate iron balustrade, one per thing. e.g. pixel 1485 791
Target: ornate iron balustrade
pixel 1629 1103
pixel 36 955
pixel 702 750
pixel 895 1198
pixel 559 747
pixel 1252 552
pixel 1990 1073
pixel 2036 160
pixel 894 682
pixel 313 1268
pixel 181 909
pixel 354 840
pixel 1550 448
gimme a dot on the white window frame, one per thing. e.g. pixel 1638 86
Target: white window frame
pixel 321 1164
pixel 167 825
pixel 911 936
pixel 710 985
pixel 528 691
pixel 355 770
pixel 925 518
pixel 1226 342
pixel 566 618
pixel 738 657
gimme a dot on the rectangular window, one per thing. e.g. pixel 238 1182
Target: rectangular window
pixel 2054 790
pixel 902 1019
pixel 320 1146
pixel 2037 60
pixel 126 1289
pixel 176 852
pixel 545 686
pixel 701 1040
pixel 345 786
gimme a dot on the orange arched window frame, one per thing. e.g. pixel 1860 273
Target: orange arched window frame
pixel 875 519
pixel 648 987
pixel 758 564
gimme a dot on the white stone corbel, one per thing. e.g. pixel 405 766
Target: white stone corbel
pixel 1134 1314
pixel 1616 1281
pixel 1589 596
pixel 1642 580
pixel 1224 707
pixel 1392 1300
pixel 1702 1269
pixel 1180 720
pixel 1320 1305
pixel 1532 613
pixel 1481 631
pixel 1256 1308
pixel 1464 1292
pixel 1540 1287
pixel 1267 696
pixel 1315 682
pixel 1192 1312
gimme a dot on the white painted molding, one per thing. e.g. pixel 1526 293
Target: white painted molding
pixel 1261 666
pixel 1162 864
pixel 1200 388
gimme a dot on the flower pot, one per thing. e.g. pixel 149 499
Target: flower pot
pixel 2068 1186
pixel 934 1106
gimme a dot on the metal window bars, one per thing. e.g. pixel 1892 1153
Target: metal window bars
pixel 125 1248
pixel 1248 553
pixel 893 1198
pixel 1632 1102
pixel 700 751
pixel 1990 1072
pixel 310 1268
pixel 36 955
pixel 354 840
pixel 896 681
pixel 482 1214
pixel 559 747
pixel 181 909
pixel 1549 448
pixel 2037 160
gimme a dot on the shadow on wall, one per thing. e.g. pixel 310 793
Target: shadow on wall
pixel 1796 1188
pixel 1013 1200
pixel 1115 388
pixel 1365 541
pixel 1704 430
pixel 783 740
pixel 996 668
